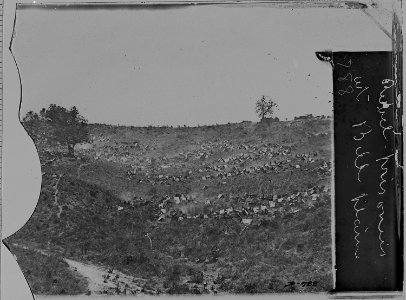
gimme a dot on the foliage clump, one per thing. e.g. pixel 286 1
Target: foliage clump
pixel 63 126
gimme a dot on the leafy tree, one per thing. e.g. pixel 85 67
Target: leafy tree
pixel 265 107
pixel 68 126
pixel 36 127
pixel 30 116
pixel 30 122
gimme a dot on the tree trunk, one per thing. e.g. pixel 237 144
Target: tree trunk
pixel 263 115
pixel 71 151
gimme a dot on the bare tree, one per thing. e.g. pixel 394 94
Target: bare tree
pixel 265 107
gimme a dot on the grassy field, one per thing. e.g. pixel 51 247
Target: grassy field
pixel 235 208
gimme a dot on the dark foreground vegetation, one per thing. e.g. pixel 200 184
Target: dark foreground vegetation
pixel 237 208
pixel 48 274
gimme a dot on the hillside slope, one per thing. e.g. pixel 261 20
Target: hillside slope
pixel 236 208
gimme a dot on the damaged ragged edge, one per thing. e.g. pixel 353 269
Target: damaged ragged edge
pixel 20 104
pixel 15 62
pixel 13 34
pixel 397 66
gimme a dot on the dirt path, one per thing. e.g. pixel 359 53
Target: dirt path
pixel 56 195
pixel 102 280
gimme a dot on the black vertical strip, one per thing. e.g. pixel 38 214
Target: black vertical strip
pixel 367 237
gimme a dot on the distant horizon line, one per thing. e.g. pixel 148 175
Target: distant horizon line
pixel 299 118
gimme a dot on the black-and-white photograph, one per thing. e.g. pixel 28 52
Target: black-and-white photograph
pixel 184 149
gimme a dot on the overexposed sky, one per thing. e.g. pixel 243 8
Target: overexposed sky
pixel 191 65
